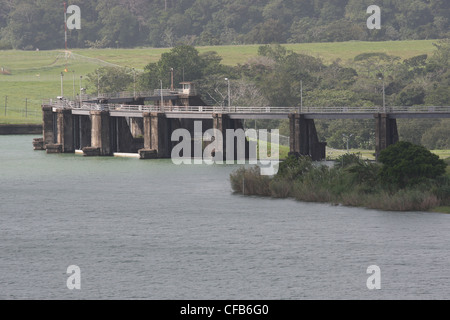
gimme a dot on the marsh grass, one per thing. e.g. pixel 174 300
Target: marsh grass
pixel 355 185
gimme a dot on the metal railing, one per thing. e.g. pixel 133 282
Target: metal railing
pixel 378 109
pixel 137 94
pixel 62 103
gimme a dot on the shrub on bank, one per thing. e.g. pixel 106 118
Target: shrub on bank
pixel 406 164
pixel 353 182
pixel 249 181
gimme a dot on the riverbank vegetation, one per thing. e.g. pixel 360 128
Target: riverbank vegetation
pixel 407 178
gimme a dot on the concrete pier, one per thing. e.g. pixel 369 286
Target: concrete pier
pixel 47 125
pixel 100 132
pixel 303 138
pixel 64 135
pixel 157 133
pixel 386 132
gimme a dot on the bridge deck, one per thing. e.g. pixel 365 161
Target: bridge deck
pixel 206 112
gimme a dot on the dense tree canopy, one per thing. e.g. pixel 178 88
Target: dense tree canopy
pixel 30 24
pixel 406 164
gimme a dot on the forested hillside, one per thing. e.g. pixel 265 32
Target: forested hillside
pixel 31 24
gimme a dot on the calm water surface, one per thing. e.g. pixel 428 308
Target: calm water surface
pixel 153 230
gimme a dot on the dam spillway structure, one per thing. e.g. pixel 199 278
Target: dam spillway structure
pixel 124 123
pixel 142 123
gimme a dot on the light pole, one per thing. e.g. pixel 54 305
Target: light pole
pixel 81 90
pixel 73 75
pixel 229 94
pixel 162 96
pixel 62 85
pixel 384 93
pixel 98 84
pixel 134 82
pixel 171 79
pixel 301 96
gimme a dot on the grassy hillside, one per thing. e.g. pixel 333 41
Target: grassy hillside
pixel 36 75
pixel 233 55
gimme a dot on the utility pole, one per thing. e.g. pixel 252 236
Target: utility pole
pixel 229 94
pixel 73 75
pixel 134 82
pixel 301 96
pixel 65 25
pixel 62 85
pixel 81 90
pixel 381 77
pixel 162 96
pixel 98 84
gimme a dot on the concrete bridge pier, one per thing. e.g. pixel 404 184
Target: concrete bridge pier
pixel 64 131
pixel 82 132
pixel 303 138
pixel 100 134
pixel 386 132
pixel 222 123
pixel 157 136
pixel 47 126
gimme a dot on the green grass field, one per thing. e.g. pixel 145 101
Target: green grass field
pixel 233 55
pixel 35 75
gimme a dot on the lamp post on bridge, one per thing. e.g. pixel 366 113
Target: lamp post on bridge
pixel 134 82
pixel 81 90
pixel 62 85
pixel 73 76
pixel 162 96
pixel 301 96
pixel 229 94
pixel 381 77
pixel 98 84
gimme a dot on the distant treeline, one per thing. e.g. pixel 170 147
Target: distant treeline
pixel 32 24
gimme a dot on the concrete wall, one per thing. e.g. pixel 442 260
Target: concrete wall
pixel 12 129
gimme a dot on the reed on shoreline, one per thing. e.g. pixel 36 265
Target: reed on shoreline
pixel 351 182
